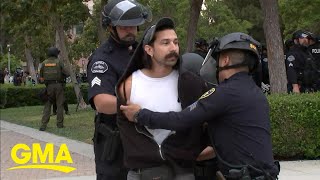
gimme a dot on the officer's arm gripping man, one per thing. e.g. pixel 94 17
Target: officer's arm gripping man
pixel 210 105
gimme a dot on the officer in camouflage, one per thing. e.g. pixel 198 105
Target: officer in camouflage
pixel 52 73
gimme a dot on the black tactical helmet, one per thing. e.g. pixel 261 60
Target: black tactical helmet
pixel 311 36
pixel 192 62
pixel 124 13
pixel 201 42
pixel 53 52
pixel 239 41
pixel 299 34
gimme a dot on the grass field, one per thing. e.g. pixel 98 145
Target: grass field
pixel 78 125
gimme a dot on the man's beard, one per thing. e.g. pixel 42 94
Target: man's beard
pixel 129 38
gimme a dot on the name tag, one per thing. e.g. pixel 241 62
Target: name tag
pixel 315 51
pixel 50 64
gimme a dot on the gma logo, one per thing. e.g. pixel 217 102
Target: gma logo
pixel 41 159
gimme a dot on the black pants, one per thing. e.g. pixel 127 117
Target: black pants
pixel 108 170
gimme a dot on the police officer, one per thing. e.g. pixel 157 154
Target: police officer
pixel 314 49
pixel 201 47
pixel 17 77
pixel 106 65
pixel 52 73
pixel 237 113
pixel 265 81
pixel 299 64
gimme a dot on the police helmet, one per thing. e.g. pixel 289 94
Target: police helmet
pixel 201 42
pixel 53 52
pixel 192 62
pixel 19 70
pixel 239 41
pixel 124 13
pixel 300 34
pixel 288 44
pixel 311 36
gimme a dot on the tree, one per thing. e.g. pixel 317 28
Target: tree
pixel 300 15
pixel 25 24
pixel 63 14
pixel 250 11
pixel 218 20
pixel 276 64
pixel 195 8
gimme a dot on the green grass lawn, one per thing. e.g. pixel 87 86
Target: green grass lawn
pixel 78 125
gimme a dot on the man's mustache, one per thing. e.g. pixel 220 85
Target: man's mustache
pixel 172 54
pixel 130 35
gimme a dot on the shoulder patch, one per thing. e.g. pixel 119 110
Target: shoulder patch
pixel 99 67
pixel 208 93
pixel 291 58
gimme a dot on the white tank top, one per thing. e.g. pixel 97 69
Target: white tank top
pixel 156 94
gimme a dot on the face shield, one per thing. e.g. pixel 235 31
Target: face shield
pixel 128 13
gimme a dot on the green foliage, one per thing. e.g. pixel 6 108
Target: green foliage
pixel 17 96
pixel 219 20
pixel 86 43
pixel 300 15
pixel 296 125
pixel 14 62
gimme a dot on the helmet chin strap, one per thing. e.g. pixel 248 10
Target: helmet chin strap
pixel 115 36
pixel 219 69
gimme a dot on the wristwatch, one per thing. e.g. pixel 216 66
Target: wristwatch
pixel 135 116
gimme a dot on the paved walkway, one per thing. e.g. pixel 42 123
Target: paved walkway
pixel 81 154
pixel 83 158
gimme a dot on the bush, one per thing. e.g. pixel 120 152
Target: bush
pixel 17 96
pixel 295 123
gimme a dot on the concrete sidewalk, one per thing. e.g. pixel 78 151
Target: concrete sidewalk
pixel 83 158
pixel 81 154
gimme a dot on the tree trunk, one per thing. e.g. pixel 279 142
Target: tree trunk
pixel 276 63
pixel 101 31
pixel 60 43
pixel 195 8
pixel 30 64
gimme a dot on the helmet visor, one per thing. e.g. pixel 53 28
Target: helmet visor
pixel 128 13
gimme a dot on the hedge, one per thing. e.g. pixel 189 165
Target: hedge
pixel 295 123
pixel 17 96
pixel 295 118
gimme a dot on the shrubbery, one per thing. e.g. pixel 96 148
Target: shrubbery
pixel 16 96
pixel 295 119
pixel 295 125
